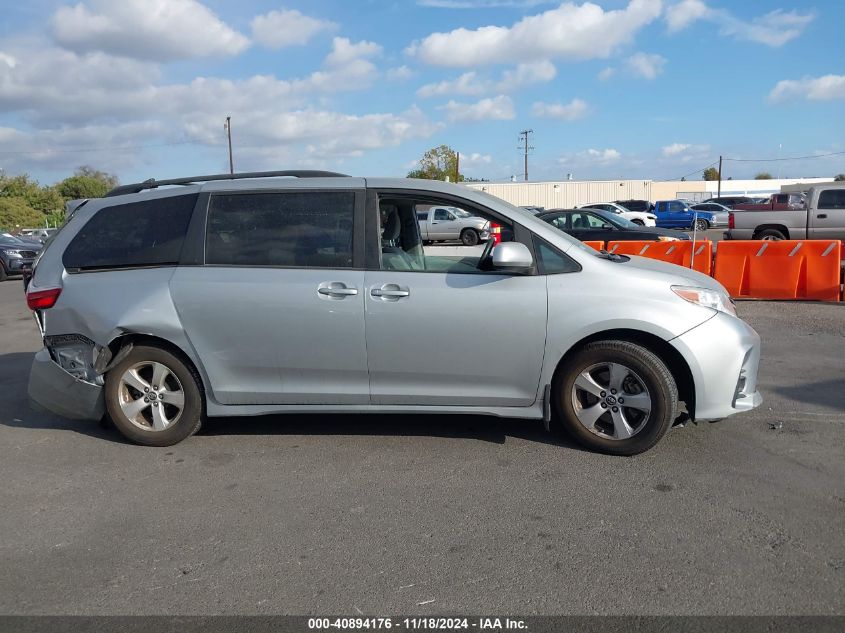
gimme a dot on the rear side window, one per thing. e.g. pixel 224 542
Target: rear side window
pixel 148 233
pixel 832 199
pixel 297 229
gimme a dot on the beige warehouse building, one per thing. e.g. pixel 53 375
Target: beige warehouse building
pixel 567 194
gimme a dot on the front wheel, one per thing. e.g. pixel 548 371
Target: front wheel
pixel 771 235
pixel 469 237
pixel 701 225
pixel 615 397
pixel 153 397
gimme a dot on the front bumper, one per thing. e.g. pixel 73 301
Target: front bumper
pixel 52 388
pixel 723 354
pixel 16 266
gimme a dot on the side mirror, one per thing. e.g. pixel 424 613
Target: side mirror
pixel 512 257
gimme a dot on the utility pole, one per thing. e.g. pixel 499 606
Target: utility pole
pixel 719 191
pixel 523 136
pixel 228 126
pixel 457 165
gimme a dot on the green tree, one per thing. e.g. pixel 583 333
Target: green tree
pixel 711 173
pixel 86 182
pixel 764 175
pixel 44 199
pixel 437 163
pixel 15 213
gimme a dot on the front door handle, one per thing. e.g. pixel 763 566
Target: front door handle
pixel 335 290
pixel 822 216
pixel 390 292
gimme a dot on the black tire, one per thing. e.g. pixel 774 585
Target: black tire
pixel 188 421
pixel 771 235
pixel 638 222
pixel 643 365
pixel 3 274
pixel 469 237
pixel 701 224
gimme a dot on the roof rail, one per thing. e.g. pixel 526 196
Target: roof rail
pixel 152 183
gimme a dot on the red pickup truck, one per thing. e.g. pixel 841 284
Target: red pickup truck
pixel 778 202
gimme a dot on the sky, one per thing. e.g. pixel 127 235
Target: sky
pixel 645 89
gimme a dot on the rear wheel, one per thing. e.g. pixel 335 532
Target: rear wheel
pixel 469 237
pixel 615 397
pixel 153 397
pixel 701 225
pixel 771 235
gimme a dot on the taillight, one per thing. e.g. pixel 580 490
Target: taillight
pixel 42 299
pixel 496 233
pixel 730 220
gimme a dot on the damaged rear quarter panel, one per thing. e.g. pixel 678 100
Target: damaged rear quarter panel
pixel 118 302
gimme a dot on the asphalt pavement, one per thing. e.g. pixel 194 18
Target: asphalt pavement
pixel 433 515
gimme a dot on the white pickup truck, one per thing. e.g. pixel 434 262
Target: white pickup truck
pixel 439 224
pixel 822 218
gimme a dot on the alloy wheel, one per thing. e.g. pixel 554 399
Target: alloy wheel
pixel 611 401
pixel 151 396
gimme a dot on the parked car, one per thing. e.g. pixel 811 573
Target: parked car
pixel 777 202
pixel 40 235
pixel 598 225
pixel 232 296
pixel 439 224
pixel 16 255
pixel 532 209
pixel 679 214
pixel 720 212
pixel 637 217
pixel 822 217
pixel 730 201
pixel 643 206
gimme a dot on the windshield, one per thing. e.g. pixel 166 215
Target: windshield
pixel 10 239
pixel 616 220
pixel 461 213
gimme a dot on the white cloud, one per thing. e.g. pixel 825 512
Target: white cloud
pixel 646 65
pixel 467 84
pixel 156 30
pixel 678 149
pixel 399 73
pixel 472 84
pixel 345 51
pixel 475 159
pixel 775 28
pixel 826 88
pixel 568 32
pixel 480 4
pixel 606 73
pixel 287 27
pixel 681 15
pixel 496 108
pixel 602 155
pixel 575 109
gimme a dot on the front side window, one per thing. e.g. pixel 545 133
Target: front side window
pixel 466 250
pixel 295 229
pixel 832 199
pixel 138 234
pixel 551 261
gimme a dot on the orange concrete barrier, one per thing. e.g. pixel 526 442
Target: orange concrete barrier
pixel 682 253
pixel 789 269
pixel 596 244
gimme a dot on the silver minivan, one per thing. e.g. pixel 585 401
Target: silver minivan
pixel 291 292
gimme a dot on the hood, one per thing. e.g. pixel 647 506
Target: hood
pixel 681 276
pixel 17 246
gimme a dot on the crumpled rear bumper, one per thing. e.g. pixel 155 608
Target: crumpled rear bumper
pixel 52 388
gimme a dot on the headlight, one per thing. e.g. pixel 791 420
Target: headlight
pixel 13 254
pixel 666 238
pixel 651 217
pixel 707 298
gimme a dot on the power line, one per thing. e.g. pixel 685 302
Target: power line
pixel 695 172
pixel 774 160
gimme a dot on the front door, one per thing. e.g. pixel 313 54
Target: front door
pixel 276 313
pixel 444 332
pixel 827 215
